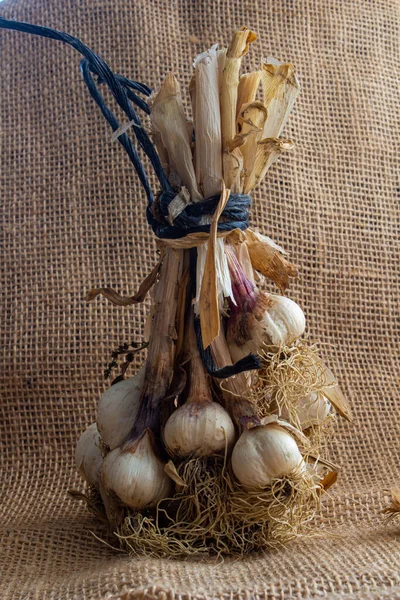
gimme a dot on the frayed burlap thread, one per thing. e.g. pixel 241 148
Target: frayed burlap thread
pixel 73 218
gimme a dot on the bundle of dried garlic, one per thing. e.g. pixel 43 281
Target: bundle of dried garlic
pixel 215 444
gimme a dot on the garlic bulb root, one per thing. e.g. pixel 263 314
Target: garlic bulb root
pixel 263 454
pixel 88 455
pixel 136 475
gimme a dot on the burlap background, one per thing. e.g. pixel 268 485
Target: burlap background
pixel 72 216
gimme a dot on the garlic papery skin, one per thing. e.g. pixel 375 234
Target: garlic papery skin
pixel 284 321
pixel 88 456
pixel 136 475
pixel 274 320
pixel 117 409
pixel 259 318
pixel 310 410
pixel 198 429
pixel 262 454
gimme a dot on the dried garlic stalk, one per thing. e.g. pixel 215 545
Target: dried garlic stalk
pixel 169 121
pixel 229 95
pixel 207 123
pixel 247 89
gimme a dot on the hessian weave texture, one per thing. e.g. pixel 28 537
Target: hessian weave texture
pixel 73 217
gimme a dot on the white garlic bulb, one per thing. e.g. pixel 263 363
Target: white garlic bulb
pixel 137 475
pixel 312 408
pixel 198 428
pixel 264 453
pixel 117 409
pixel 88 455
pixel 284 320
pixel 275 320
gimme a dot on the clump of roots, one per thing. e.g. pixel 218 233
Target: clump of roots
pixel 214 515
pixel 287 377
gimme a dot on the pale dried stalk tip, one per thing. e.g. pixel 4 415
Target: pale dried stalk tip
pixel 169 122
pixel 280 90
pixel 229 96
pixel 207 123
pixel 247 90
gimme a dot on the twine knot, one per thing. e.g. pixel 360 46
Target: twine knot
pixel 193 218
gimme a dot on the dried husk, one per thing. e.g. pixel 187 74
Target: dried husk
pixel 229 95
pixel 332 390
pixel 268 151
pixel 251 123
pixel 207 124
pixel 169 121
pixel 394 509
pixel 247 89
pixel 280 90
pixel 267 259
pixel 209 309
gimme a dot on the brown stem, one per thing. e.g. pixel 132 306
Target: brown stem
pixel 161 349
pixel 235 390
pixel 199 388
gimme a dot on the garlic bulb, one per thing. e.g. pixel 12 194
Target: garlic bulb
pixel 198 428
pixel 312 408
pixel 284 321
pixel 274 320
pixel 136 475
pixel 264 453
pixel 88 455
pixel 117 409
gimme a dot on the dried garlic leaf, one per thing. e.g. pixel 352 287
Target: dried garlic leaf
pixel 247 90
pixel 280 90
pixel 119 300
pixel 207 123
pixel 251 123
pixel 329 480
pixel 171 471
pixel 322 461
pixel 268 150
pixel 267 260
pixel 335 395
pixel 209 311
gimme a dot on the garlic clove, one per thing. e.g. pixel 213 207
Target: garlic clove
pixel 137 475
pixel 199 429
pixel 262 454
pixel 88 456
pixel 117 409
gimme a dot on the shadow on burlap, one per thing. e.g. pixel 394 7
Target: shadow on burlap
pixel 72 216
